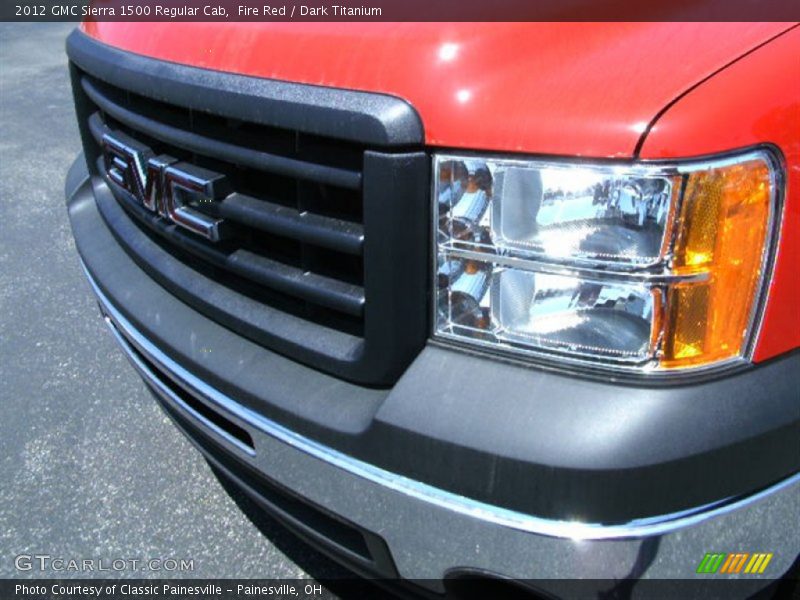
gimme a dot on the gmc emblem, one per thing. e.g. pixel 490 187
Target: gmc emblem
pixel 164 185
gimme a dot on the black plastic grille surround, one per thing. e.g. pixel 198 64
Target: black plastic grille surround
pixel 326 252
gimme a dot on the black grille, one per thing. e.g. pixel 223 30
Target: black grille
pixel 324 256
pixel 283 232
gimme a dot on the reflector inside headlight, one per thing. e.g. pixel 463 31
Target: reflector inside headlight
pixel 647 265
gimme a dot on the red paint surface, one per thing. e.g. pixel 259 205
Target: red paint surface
pixel 754 101
pixel 552 88
pixel 580 89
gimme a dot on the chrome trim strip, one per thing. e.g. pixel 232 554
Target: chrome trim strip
pixel 538 266
pixel 155 381
pixel 769 255
pixel 575 530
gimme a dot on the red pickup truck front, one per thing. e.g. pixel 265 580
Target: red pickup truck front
pixel 510 299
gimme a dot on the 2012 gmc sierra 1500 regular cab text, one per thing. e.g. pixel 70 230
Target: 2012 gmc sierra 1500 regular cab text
pixel 517 300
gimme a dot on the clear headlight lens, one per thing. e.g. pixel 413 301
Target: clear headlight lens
pixel 648 265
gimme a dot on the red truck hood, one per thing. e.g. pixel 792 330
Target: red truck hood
pixel 552 88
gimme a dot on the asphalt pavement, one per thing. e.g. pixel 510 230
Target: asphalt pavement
pixel 90 467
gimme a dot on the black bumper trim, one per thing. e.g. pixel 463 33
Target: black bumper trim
pixel 172 383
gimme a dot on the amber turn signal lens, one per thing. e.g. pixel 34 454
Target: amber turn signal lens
pixel 723 227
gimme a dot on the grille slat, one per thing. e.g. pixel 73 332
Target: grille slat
pixel 296 282
pixel 96 127
pixel 240 155
pixel 320 200
pixel 327 232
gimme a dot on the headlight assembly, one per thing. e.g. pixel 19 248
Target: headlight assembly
pixel 642 266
